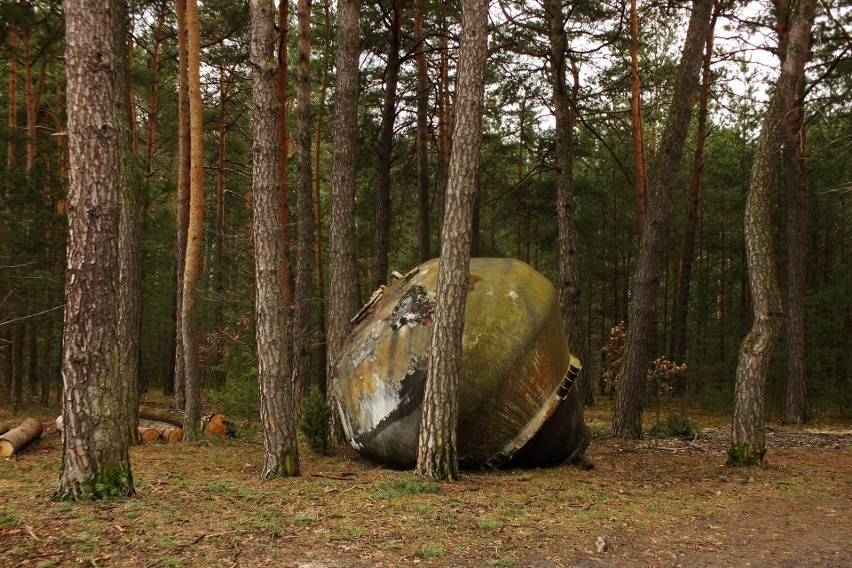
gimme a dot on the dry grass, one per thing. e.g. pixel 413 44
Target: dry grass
pixel 647 503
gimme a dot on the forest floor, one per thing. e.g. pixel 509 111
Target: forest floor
pixel 646 503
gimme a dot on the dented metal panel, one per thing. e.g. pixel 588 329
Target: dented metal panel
pixel 516 377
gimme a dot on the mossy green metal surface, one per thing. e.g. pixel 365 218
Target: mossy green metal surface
pixel 515 369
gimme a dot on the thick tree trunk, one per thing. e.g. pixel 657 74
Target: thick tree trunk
pixel 630 394
pixel 343 263
pixel 424 251
pixel 569 263
pixel 192 266
pixel 437 457
pixel 677 352
pixel 277 394
pixel 385 150
pixel 748 442
pixel 304 209
pixel 95 460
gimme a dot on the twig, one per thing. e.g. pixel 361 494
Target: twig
pixel 7 322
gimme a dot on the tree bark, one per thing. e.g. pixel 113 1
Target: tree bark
pixel 183 201
pixel 192 266
pixel 19 437
pixel 322 353
pixel 424 251
pixel 795 179
pixel 569 263
pixel 630 394
pixel 385 150
pixel 277 396
pixel 219 279
pixel 343 263
pixel 677 352
pixel 641 180
pixel 95 460
pixel 748 442
pixel 304 245
pixel 437 457
pixel 283 146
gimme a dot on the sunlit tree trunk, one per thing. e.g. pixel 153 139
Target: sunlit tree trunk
pixel 343 262
pixel 192 266
pixel 304 209
pixel 630 394
pixel 95 460
pixel 279 415
pixel 437 457
pixel 748 442
pixel 385 152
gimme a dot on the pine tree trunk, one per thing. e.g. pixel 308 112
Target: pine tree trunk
pixel 795 180
pixel 277 395
pixel 192 266
pixel 304 209
pixel 677 352
pixel 95 460
pixel 343 263
pixel 183 200
pixel 424 251
pixel 283 147
pixel 748 442
pixel 385 152
pixel 641 180
pixel 219 278
pixel 569 264
pixel 437 457
pixel 322 353
pixel 630 394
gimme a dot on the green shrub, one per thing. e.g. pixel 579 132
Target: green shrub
pixel 675 426
pixel 315 421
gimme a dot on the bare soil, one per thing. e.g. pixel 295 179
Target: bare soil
pixel 646 503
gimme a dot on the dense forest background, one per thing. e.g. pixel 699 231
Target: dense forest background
pixel 516 214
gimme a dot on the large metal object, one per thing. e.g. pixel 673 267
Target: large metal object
pixel 516 401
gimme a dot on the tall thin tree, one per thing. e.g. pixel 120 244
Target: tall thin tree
pixel 569 262
pixel 630 394
pixel 192 267
pixel 436 456
pixel 393 17
pixel 277 397
pixel 748 441
pixel 304 209
pixel 343 262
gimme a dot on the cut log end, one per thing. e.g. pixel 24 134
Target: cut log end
pixel 18 438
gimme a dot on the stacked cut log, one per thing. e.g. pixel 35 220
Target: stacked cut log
pixel 19 437
pixel 155 424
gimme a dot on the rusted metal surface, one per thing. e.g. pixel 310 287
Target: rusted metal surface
pixel 515 392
